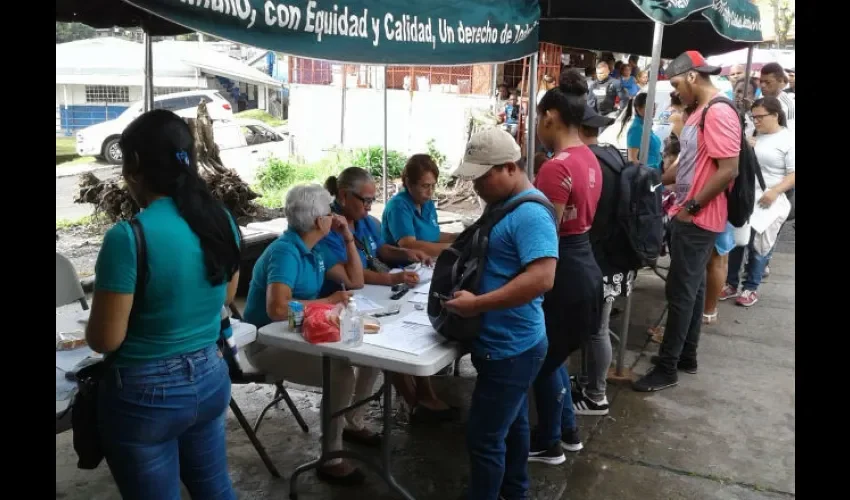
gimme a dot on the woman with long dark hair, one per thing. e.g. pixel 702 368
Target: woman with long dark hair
pixel 163 401
pixel 572 180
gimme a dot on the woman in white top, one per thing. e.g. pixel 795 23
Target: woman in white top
pixel 774 147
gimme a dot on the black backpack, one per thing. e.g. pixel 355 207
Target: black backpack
pixel 638 210
pixel 461 266
pixel 635 225
pixel 741 199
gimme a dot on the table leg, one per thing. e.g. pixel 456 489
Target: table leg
pixel 386 446
pixel 325 418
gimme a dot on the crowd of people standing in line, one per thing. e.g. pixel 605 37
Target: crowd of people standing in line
pixel 547 287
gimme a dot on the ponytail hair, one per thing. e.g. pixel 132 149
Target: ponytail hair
pixel 568 98
pixel 159 146
pixel 639 101
pixel 350 179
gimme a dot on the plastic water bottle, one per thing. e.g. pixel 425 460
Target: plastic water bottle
pixel 352 325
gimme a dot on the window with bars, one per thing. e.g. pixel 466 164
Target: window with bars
pixel 157 91
pixel 107 93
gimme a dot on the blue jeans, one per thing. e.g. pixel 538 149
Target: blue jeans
pixel 754 267
pixel 162 422
pixel 554 407
pixel 497 433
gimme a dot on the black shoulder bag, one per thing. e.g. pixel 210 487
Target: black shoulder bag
pixel 84 406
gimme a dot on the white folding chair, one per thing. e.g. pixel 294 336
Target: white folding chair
pixel 68 287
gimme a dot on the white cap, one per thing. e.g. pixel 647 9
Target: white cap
pixel 487 149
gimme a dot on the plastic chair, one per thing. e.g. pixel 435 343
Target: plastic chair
pixel 68 287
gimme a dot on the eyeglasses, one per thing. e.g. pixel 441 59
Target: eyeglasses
pixel 366 201
pixel 758 118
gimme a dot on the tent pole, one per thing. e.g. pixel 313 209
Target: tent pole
pixel 532 116
pixel 493 84
pixel 748 72
pixel 384 159
pixel 657 36
pixel 342 109
pixel 147 89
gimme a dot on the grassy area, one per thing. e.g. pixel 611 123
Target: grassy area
pixel 69 223
pixel 259 114
pixel 276 177
pixel 66 153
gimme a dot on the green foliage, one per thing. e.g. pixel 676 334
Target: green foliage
pixel 276 174
pixel 435 154
pixel 372 159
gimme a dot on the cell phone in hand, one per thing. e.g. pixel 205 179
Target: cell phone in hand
pixel 440 296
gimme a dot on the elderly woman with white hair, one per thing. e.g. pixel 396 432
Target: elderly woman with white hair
pixel 294 267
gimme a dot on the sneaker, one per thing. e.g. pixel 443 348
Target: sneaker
pixel 552 456
pixel 748 298
pixel 728 292
pixel 584 405
pixel 766 272
pixel 655 380
pixel 683 366
pixel 570 440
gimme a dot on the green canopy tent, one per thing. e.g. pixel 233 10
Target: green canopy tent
pixel 710 26
pixel 380 32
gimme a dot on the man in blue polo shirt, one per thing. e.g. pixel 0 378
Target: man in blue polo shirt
pixel 520 268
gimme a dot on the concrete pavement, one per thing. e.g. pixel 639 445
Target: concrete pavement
pixel 726 433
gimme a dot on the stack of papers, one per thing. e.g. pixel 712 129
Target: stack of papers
pixel 366 305
pixel 411 334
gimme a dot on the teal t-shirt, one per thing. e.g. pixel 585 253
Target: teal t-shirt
pixel 402 218
pixel 181 311
pixel 287 260
pixel 633 137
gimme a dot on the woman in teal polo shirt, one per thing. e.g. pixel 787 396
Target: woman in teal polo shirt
pixel 162 403
pixel 354 191
pixel 635 133
pixel 410 217
pixel 294 267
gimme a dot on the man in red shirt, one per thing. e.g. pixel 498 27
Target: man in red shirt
pixel 708 163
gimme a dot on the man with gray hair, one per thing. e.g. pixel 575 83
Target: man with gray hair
pixel 293 268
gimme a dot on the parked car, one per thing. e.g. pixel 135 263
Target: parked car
pixel 101 140
pixel 245 145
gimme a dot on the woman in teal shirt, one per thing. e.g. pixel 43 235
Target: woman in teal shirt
pixel 162 403
pixel 354 191
pixel 635 134
pixel 410 217
pixel 294 267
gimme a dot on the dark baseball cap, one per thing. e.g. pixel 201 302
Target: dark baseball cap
pixel 593 119
pixel 690 61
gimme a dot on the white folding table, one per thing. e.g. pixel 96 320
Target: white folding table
pixel 389 361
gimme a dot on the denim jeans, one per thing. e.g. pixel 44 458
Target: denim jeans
pixel 554 407
pixel 497 433
pixel 690 250
pixel 162 422
pixel 754 267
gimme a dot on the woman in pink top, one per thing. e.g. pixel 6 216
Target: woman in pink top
pixel 572 180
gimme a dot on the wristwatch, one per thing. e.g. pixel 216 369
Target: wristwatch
pixel 692 207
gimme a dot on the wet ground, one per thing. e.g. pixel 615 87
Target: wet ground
pixel 725 433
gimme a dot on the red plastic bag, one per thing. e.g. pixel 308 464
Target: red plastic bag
pixel 321 323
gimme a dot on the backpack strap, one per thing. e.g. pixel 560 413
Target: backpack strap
pixel 607 153
pixel 141 282
pixel 725 100
pixel 500 211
